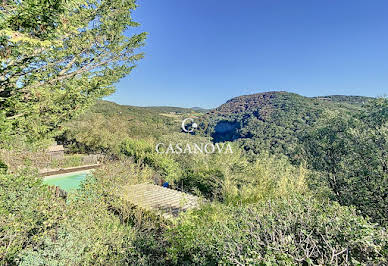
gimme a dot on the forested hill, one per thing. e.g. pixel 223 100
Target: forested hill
pixel 279 99
pixel 273 120
pixel 107 124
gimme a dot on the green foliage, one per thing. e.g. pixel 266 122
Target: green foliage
pixel 138 237
pixel 203 182
pixel 90 234
pixel 259 220
pixel 343 140
pixel 351 155
pixel 40 229
pixel 144 151
pixel 267 177
pixel 28 214
pixel 5 129
pixel 58 57
pixel 281 231
pixel 220 176
pixel 232 178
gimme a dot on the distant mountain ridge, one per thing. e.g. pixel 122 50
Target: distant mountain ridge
pixel 104 106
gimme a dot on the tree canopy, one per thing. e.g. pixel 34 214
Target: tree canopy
pixel 58 57
pixel 350 153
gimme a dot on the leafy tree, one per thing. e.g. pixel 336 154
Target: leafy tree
pixel 350 152
pixel 58 56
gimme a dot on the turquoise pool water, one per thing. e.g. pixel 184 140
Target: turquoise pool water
pixel 67 182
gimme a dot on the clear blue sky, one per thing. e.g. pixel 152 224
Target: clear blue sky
pixel 204 52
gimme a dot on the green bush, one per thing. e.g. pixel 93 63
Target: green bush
pixel 89 235
pixel 37 228
pixel 267 177
pixel 203 182
pixel 281 231
pixel 232 178
pixel 28 214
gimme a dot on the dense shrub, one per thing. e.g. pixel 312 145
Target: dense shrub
pixel 271 121
pixel 97 226
pixel 255 216
pixel 89 235
pixel 203 182
pixel 28 214
pixel 282 231
pixel 138 239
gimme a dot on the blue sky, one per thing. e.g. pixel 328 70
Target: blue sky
pixel 204 52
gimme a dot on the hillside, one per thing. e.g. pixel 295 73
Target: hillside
pixel 275 99
pixel 106 124
pixel 265 121
pixel 273 120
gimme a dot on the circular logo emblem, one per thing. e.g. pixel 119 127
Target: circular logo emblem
pixel 185 122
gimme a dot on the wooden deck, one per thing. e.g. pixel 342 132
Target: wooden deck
pixel 167 201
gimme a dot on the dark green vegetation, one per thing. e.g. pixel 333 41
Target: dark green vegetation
pixel 306 182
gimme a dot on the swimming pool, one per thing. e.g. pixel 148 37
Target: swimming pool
pixel 67 182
